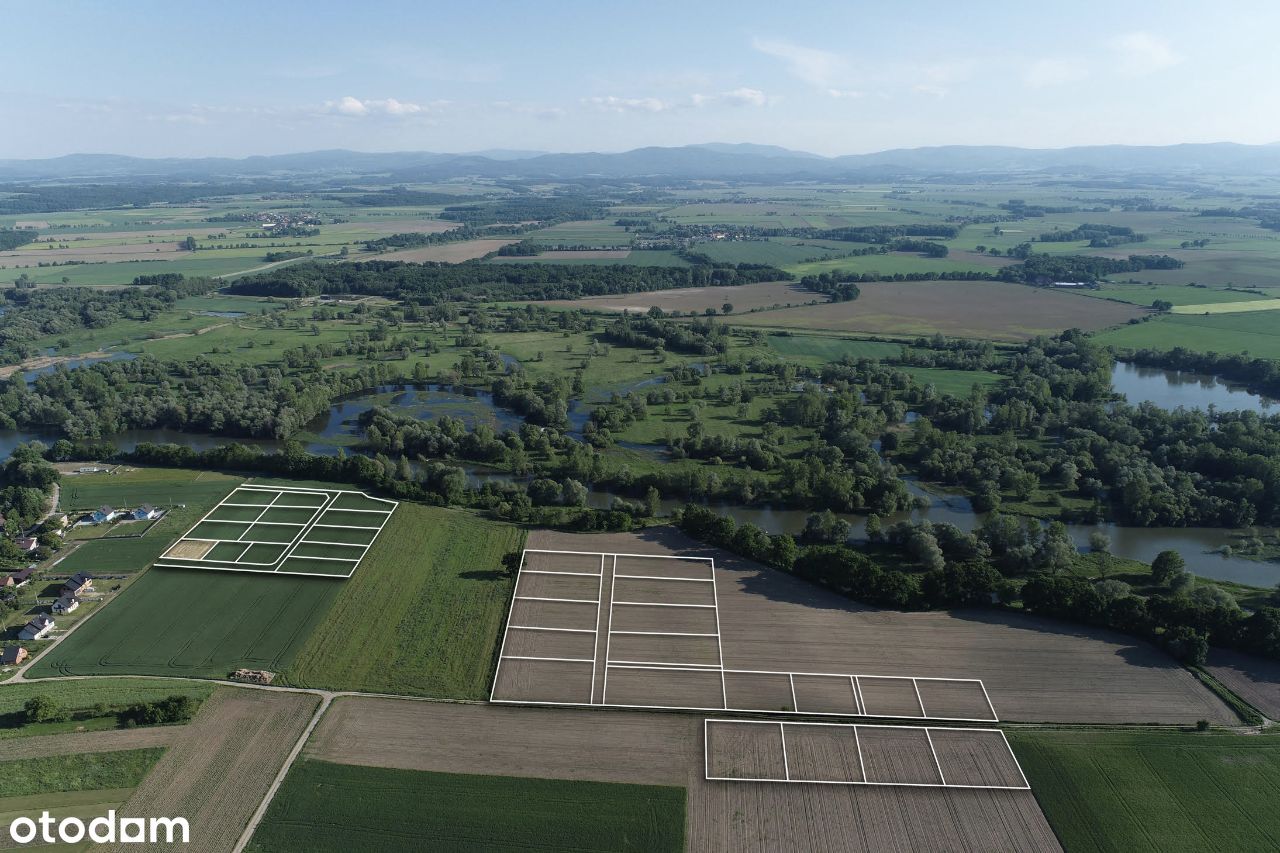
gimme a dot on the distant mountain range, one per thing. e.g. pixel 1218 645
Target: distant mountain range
pixel 709 161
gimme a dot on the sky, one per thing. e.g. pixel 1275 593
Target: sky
pixel 234 78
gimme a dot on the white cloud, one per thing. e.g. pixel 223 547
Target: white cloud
pixel 354 107
pixel 845 93
pixel 820 68
pixel 1144 53
pixel 535 110
pixel 744 97
pixel 614 104
pixel 1055 72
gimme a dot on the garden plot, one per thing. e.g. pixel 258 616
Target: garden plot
pixel 643 631
pixel 283 530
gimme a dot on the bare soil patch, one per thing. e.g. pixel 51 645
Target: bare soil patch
pixel 1255 680
pixel 189 549
pixel 743 298
pixel 1035 670
pixel 971 309
pixel 449 253
pixel 218 770
pixel 90 254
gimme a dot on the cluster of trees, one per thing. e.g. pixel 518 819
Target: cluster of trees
pixel 654 332
pixel 437 283
pixel 1042 269
pixel 32 314
pixel 544 209
pixel 880 233
pixel 11 239
pixel 198 395
pixel 835 286
pixel 928 248
pixel 1099 236
pixel 159 712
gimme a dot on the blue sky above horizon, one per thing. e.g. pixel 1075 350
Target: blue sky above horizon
pixel 234 79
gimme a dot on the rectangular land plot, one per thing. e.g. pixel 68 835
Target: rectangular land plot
pixel 746 752
pixel 979 758
pixel 823 754
pixel 650 627
pixel 551 682
pixel 280 530
pixel 852 754
pixel 658 687
pixel 898 755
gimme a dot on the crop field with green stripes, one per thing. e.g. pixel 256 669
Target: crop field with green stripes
pixel 283 530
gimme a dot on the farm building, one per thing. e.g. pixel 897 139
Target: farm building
pixel 13 580
pixel 66 604
pixel 78 584
pixel 37 629
pixel 13 655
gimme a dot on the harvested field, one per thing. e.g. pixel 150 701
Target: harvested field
pixel 77 742
pixel 190 549
pixel 449 253
pixel 898 756
pixel 665 688
pixel 743 298
pixel 1036 670
pixel 666 749
pixel 1255 680
pixel 976 757
pixel 219 769
pixel 968 309
pixel 555 681
pixel 823 754
pixel 745 751
pixel 90 254
pixel 652 749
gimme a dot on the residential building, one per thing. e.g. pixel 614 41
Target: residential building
pixel 79 584
pixel 13 655
pixel 66 604
pixel 37 629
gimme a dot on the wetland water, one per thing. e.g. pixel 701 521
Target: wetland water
pixel 1200 547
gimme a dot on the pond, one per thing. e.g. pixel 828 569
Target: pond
pixel 1170 389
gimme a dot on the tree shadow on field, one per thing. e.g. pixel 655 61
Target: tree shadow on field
pixel 482 575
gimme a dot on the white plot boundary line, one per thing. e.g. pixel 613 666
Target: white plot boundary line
pixel 862 767
pixel 855 679
pixel 331 497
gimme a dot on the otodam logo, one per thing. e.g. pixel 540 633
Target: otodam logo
pixel 103 830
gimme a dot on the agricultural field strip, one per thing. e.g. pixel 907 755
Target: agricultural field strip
pixel 331 498
pixel 854 727
pixel 855 680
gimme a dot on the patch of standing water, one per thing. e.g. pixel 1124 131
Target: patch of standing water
pixel 1170 389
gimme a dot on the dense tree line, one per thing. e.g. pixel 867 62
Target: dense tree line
pixel 699 337
pixel 544 209
pixel 435 283
pixel 50 198
pixel 837 286
pixel 1042 269
pixel 11 239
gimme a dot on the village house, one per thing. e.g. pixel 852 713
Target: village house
pixel 79 584
pixel 66 604
pixel 13 580
pixel 146 512
pixel 26 544
pixel 13 655
pixel 37 629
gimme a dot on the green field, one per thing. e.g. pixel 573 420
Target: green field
pixel 815 349
pixel 1145 294
pixel 1254 333
pixel 1155 791
pixel 423 614
pixel 129 487
pixel 323 807
pixel 90 771
pixel 180 622
pixel 81 695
